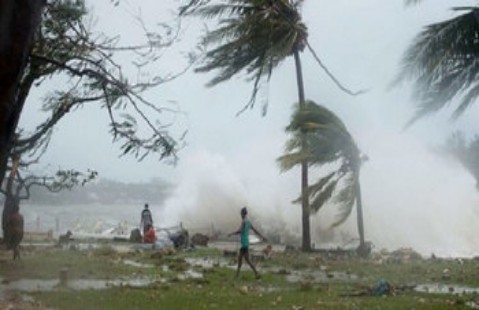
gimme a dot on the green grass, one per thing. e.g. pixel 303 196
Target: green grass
pixel 220 290
pixel 46 264
pixel 232 296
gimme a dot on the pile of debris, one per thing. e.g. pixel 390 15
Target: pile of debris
pixel 399 256
pixel 200 240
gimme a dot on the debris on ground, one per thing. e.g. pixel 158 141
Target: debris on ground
pixel 364 250
pixel 402 255
pixel 382 289
pixel 180 238
pixel 163 252
pixel 13 300
pixel 229 253
pixel 200 240
pixel 135 236
pixel 267 251
pixel 65 238
pixel 163 243
pixel 405 255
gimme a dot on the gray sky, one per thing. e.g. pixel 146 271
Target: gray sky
pixel 229 160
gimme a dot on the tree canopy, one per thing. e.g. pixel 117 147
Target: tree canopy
pixel 65 47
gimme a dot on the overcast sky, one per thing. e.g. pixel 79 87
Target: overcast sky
pixel 229 160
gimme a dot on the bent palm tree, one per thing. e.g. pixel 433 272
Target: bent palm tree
pixel 328 141
pixel 443 62
pixel 254 36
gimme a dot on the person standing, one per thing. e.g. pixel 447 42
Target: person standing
pixel 146 219
pixel 243 231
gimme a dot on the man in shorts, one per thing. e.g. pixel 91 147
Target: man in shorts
pixel 243 231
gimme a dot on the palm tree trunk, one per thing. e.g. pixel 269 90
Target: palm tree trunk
pixel 363 250
pixel 19 20
pixel 306 241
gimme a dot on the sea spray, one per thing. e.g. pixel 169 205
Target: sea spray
pixel 412 197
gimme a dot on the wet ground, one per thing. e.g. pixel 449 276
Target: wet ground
pixel 195 269
pixel 35 285
pixel 440 288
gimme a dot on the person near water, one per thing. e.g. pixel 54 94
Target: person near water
pixel 243 231
pixel 146 219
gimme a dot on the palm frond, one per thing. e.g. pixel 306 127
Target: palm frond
pixel 314 189
pixel 290 160
pixel 253 37
pixel 214 11
pixel 327 142
pixel 443 62
pixel 345 199
pixel 318 201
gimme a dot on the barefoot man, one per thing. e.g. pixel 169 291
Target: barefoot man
pixel 244 233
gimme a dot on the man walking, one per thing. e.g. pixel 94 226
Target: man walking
pixel 243 231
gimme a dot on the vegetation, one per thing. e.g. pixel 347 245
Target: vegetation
pixel 65 48
pixel 441 62
pixel 254 37
pixel 327 142
pixel 218 288
pixel 18 187
pixel 19 22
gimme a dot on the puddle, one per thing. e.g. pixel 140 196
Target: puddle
pixel 319 276
pixel 254 247
pixel 137 264
pixel 437 288
pixel 190 274
pixel 473 304
pixel 34 285
pixel 207 263
pixel 117 247
pixel 187 274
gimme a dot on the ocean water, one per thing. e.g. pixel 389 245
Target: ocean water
pixel 92 219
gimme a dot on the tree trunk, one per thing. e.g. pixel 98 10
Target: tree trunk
pixel 19 20
pixel 363 249
pixel 11 203
pixel 306 241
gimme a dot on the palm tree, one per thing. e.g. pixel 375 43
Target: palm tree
pixel 254 36
pixel 327 142
pixel 443 63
